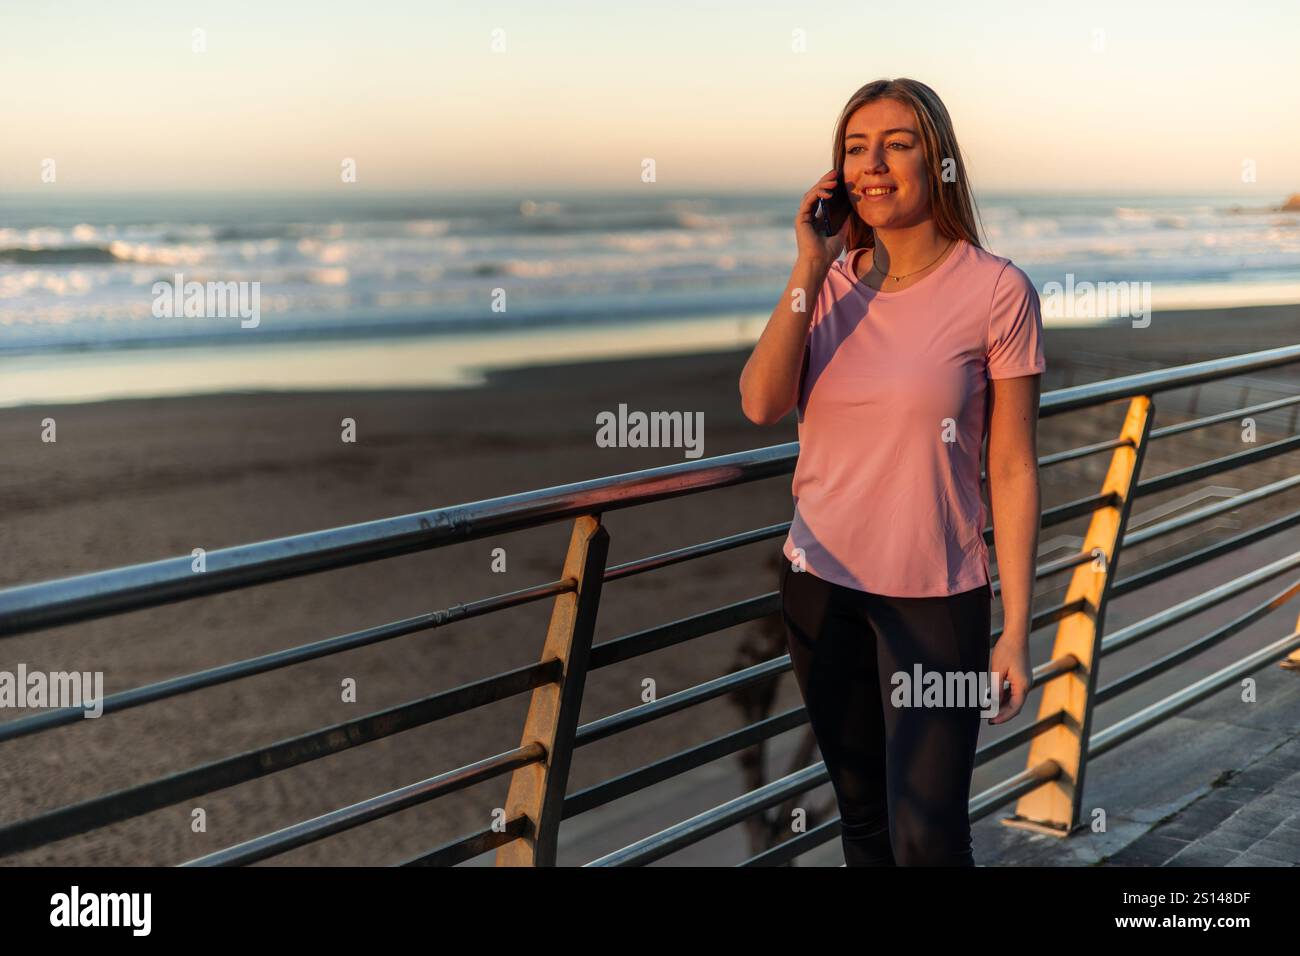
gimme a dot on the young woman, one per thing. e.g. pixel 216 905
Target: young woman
pixel 918 346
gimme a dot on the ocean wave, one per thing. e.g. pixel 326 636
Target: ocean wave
pixel 253 232
pixel 61 255
pixel 87 277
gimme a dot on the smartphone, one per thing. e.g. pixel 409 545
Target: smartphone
pixel 829 216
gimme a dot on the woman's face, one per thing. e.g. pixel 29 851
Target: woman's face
pixel 882 147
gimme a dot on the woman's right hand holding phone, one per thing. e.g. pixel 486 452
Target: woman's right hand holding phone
pixel 813 246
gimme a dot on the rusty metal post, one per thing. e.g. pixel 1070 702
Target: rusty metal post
pixel 1054 807
pixel 537 791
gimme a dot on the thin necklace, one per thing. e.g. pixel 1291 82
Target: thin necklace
pixel 922 269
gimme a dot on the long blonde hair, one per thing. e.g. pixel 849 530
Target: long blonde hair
pixel 951 203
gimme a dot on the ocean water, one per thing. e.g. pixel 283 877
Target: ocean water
pixel 78 273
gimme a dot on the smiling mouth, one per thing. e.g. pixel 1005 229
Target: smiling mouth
pixel 879 190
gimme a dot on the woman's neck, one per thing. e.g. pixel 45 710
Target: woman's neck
pixel 901 252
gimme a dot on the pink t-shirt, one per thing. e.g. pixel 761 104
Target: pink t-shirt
pixel 892 418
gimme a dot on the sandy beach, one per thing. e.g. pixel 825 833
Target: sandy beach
pixel 137 480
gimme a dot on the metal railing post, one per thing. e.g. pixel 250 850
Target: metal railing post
pixel 1055 807
pixel 537 791
pixel 1292 661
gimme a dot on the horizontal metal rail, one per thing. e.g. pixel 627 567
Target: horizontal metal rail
pixel 697 756
pixel 1156 381
pixel 175 686
pixel 468 847
pixel 88 596
pixel 101 594
pixel 675 703
pixel 1148 717
pixel 1166 431
pixel 716 820
pixel 1188 651
pixel 337 821
pixel 143 798
pixel 796 846
pixel 1169 616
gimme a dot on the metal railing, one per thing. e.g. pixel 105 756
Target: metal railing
pixel 1060 740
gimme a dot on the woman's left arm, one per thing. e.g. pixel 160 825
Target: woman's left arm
pixel 1017 512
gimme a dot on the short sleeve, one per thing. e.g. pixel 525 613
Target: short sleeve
pixel 825 295
pixel 1015 335
pixel 821 308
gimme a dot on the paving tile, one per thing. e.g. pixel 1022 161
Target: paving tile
pixel 1259 777
pixel 1218 810
pixel 1283 758
pixel 1150 850
pixel 1255 825
pixel 1198 854
pixel 1251 859
pixel 1224 794
pixel 1289 786
pixel 1290 748
pixel 1182 829
pixel 1254 817
pixel 1273 800
pixel 1276 850
pixel 1285 835
pixel 1230 839
pixel 1204 816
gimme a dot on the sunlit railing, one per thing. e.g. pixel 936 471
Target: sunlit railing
pixel 1060 739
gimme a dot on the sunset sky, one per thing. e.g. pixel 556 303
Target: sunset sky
pixel 1175 99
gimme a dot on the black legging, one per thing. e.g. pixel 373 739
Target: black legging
pixel 901 775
